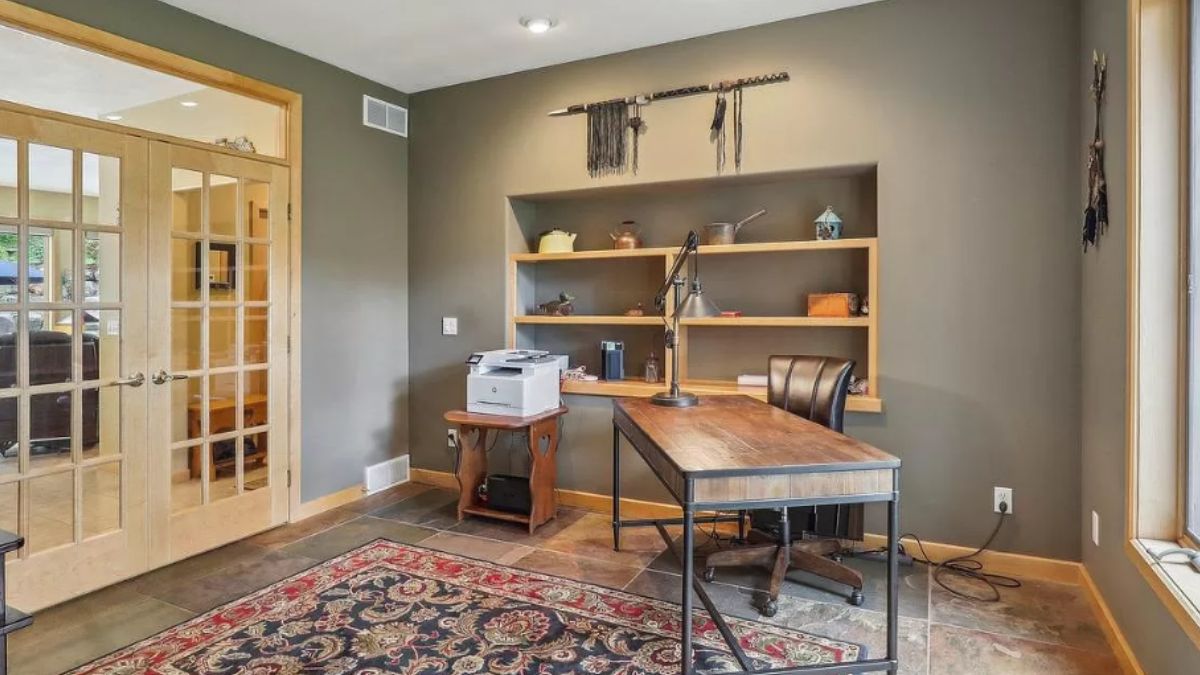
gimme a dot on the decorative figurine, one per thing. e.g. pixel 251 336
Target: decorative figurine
pixel 829 226
pixel 652 369
pixel 864 309
pixel 560 307
pixel 858 386
pixel 636 311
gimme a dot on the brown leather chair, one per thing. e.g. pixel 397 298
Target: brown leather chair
pixel 815 388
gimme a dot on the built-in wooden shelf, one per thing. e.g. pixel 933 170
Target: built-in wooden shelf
pixel 522 279
pixel 782 322
pixel 586 320
pixel 662 251
pixel 639 389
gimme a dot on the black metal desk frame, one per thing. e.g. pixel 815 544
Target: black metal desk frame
pixel 691 581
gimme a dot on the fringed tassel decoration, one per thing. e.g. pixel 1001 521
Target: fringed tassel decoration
pixel 607 125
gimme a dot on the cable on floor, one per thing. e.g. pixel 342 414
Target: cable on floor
pixel 967 567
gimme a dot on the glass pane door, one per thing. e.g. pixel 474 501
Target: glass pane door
pixel 221 225
pixel 72 350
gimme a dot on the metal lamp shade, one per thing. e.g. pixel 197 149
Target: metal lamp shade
pixel 697 305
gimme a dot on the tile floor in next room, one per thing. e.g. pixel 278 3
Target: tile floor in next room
pixel 1040 628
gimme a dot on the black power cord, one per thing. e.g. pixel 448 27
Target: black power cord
pixel 967 567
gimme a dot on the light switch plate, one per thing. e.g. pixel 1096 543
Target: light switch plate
pixel 1095 528
pixel 449 325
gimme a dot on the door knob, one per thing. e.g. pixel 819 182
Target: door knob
pixel 137 380
pixel 163 377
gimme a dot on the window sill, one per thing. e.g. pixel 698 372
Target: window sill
pixel 1176 584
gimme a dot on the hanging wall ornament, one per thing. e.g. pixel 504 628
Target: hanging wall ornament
pixel 636 124
pixel 1095 216
pixel 737 128
pixel 607 123
pixel 718 129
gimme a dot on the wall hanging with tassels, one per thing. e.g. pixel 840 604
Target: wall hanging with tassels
pixel 1095 215
pixel 608 122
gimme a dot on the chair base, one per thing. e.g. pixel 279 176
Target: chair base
pixel 808 556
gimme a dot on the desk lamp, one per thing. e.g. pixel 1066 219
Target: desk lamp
pixel 693 305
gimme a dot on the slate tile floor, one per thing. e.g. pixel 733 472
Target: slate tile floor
pixel 1040 629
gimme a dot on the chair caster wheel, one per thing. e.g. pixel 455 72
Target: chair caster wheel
pixel 710 573
pixel 769 608
pixel 837 558
pixel 856 598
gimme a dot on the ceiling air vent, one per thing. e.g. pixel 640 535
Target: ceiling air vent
pixel 385 116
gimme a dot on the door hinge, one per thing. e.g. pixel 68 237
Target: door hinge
pixel 289 212
pixel 289 478
pixel 289 345
pixel 1191 284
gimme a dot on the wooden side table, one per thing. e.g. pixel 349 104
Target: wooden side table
pixel 470 466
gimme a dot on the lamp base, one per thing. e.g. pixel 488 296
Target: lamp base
pixel 681 400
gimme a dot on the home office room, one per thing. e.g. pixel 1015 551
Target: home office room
pixel 693 336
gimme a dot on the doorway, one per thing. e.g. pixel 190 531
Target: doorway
pixel 143 352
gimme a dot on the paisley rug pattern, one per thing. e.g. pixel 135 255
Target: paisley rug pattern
pixel 396 608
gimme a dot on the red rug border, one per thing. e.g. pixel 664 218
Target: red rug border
pixel 775 629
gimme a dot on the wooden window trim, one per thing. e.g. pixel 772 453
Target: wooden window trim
pixel 1158 184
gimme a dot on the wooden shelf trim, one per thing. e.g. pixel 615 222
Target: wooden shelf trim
pixel 728 249
pixel 783 321
pixel 590 320
pixel 637 388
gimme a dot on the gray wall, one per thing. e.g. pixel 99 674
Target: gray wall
pixel 971 110
pixel 355 243
pixel 1161 645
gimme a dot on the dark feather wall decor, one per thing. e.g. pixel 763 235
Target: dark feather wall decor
pixel 1095 215
pixel 608 122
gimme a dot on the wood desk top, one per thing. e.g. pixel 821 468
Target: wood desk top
pixel 506 422
pixel 742 436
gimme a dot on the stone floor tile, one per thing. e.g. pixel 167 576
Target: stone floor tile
pixel 233 581
pixel 437 509
pixel 863 626
pixel 953 651
pixel 282 536
pixel 490 550
pixel 384 498
pixel 591 537
pixel 349 536
pixel 590 570
pixel 517 533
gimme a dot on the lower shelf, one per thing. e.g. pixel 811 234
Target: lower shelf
pixel 637 388
pixel 500 515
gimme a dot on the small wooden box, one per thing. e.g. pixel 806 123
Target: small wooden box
pixel 836 305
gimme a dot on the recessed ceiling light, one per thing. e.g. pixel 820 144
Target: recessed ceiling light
pixel 538 24
pixel 188 104
pixel 113 118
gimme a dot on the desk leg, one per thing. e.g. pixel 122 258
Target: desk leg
pixel 543 452
pixel 470 466
pixel 893 574
pixel 616 488
pixel 685 650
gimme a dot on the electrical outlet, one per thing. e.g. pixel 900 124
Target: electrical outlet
pixel 449 325
pixel 1002 494
pixel 1095 528
pixel 452 438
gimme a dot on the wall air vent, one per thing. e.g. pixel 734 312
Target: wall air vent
pixel 385 116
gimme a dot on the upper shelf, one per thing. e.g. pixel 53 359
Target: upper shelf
pixel 762 247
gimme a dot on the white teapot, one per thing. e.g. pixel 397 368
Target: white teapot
pixel 556 241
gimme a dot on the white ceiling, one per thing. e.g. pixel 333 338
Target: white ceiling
pixel 412 45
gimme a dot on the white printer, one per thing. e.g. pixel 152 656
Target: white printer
pixel 517 382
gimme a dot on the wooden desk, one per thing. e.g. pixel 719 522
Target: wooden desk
pixel 470 465
pixel 731 453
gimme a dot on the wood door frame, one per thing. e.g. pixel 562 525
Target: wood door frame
pixel 95 40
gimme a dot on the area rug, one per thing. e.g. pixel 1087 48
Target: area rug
pixel 395 608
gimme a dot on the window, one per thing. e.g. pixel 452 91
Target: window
pixel 1191 488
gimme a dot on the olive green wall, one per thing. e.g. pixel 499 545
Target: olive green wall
pixel 971 110
pixel 1161 645
pixel 354 256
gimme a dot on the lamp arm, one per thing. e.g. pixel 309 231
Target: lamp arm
pixel 689 248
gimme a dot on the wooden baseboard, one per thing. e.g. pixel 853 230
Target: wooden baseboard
pixel 1016 564
pixel 1112 632
pixel 327 503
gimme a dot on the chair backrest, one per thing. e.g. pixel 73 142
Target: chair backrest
pixel 813 387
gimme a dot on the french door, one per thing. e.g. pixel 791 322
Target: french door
pixel 73 220
pixel 143 353
pixel 217 349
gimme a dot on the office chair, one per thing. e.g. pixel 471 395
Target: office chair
pixel 813 387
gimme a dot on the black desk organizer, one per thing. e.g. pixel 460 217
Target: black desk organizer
pixel 14 619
